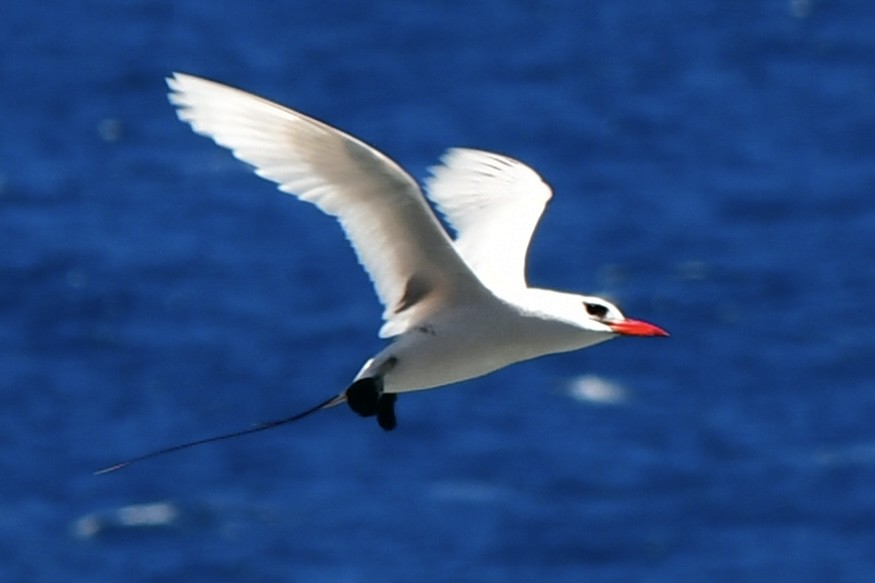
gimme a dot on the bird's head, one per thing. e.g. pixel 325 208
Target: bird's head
pixel 603 316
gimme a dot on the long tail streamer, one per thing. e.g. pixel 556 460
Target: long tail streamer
pixel 260 427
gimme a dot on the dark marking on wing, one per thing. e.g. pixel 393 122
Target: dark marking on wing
pixel 418 287
pixel 426 329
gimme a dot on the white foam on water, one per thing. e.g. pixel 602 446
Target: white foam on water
pixel 595 389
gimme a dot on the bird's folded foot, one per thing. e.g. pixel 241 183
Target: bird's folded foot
pixel 366 397
pixel 364 394
pixel 386 411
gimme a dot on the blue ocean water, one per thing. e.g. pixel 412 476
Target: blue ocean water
pixel 713 172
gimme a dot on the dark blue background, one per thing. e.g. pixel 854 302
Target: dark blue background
pixel 713 166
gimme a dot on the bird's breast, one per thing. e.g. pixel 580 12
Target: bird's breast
pixel 469 343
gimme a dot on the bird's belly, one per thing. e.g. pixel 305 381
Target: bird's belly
pixel 468 346
pixel 434 363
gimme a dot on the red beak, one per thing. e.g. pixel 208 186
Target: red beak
pixel 637 328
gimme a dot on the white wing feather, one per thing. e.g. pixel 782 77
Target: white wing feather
pixel 494 204
pixel 407 253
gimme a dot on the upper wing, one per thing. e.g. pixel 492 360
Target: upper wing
pixel 398 239
pixel 494 203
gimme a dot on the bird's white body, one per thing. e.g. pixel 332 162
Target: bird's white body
pixel 455 308
pixel 476 338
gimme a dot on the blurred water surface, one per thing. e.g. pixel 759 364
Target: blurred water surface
pixel 713 172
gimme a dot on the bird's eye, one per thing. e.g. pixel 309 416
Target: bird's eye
pixel 596 310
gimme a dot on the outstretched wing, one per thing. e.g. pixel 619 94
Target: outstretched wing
pixel 494 204
pixel 399 241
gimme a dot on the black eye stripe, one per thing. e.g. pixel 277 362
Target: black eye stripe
pixel 597 310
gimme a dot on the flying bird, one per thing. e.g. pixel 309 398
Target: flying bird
pixel 455 308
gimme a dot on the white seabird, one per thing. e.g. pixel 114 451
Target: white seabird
pixel 454 308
